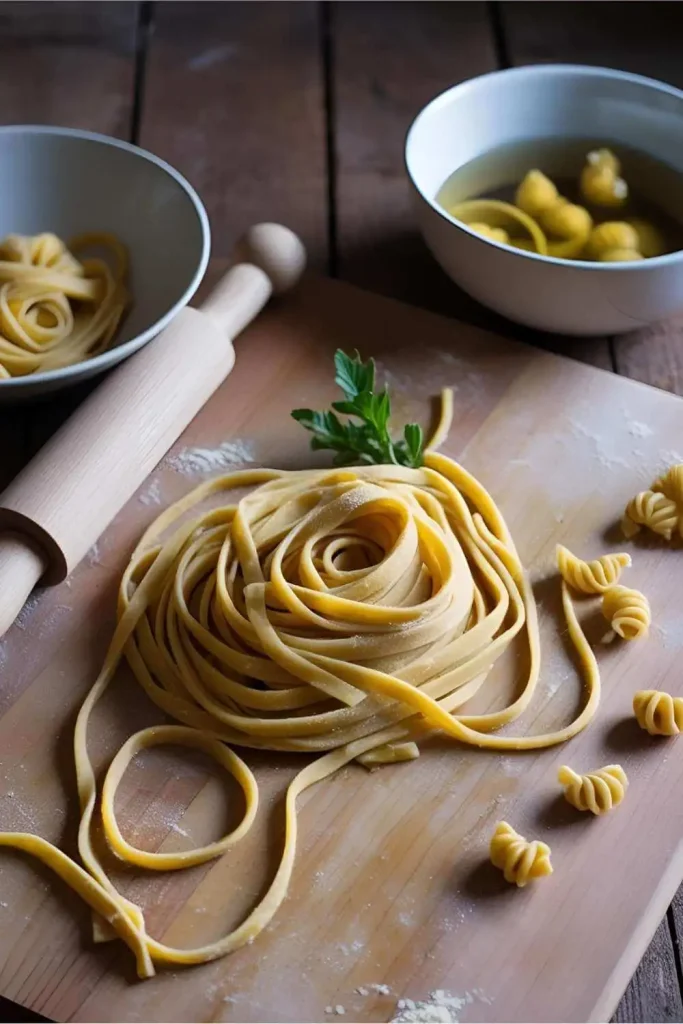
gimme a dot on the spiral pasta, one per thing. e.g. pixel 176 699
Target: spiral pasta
pixel 519 860
pixel 628 612
pixel 56 310
pixel 600 180
pixel 349 613
pixel 658 712
pixel 591 577
pixel 598 791
pixel 670 484
pixel 654 511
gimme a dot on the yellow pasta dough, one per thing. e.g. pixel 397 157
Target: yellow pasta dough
pixel 652 510
pixel 628 612
pixel 519 860
pixel 348 613
pixel 610 235
pixel 55 309
pixel 600 181
pixel 658 712
pixel 591 577
pixel 598 791
pixel 568 223
pixel 671 484
pixel 497 215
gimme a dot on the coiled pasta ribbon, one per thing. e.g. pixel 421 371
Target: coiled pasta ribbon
pixel 519 860
pixel 348 613
pixel 54 309
pixel 628 612
pixel 658 712
pixel 500 221
pixel 591 577
pixel 598 791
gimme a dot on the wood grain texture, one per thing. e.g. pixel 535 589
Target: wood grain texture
pixel 233 98
pixel 641 38
pixel 387 61
pixel 638 37
pixel 391 883
pixel 61 64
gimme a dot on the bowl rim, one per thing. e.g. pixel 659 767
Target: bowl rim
pixel 118 353
pixel 541 70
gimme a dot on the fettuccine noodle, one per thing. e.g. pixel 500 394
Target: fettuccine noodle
pixel 55 309
pixel 347 613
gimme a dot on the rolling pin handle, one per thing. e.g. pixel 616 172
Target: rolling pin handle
pixel 22 564
pixel 269 259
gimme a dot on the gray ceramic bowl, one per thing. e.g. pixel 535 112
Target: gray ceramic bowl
pixel 69 182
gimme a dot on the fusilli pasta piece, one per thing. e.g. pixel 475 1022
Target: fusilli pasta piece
pixel 628 612
pixel 671 484
pixel 590 577
pixel 519 860
pixel 658 712
pixel 651 509
pixel 598 791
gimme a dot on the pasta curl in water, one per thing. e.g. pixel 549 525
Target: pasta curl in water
pixel 56 310
pixel 348 613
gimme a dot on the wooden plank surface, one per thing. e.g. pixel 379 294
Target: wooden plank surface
pixel 375 65
pixel 395 921
pixel 641 38
pixel 233 98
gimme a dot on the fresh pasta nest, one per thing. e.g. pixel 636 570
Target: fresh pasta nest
pixel 347 612
pixel 55 309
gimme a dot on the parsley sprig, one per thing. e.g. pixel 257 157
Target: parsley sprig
pixel 364 437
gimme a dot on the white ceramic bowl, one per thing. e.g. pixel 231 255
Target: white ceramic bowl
pixel 533 102
pixel 69 182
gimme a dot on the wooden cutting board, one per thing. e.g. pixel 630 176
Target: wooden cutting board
pixel 392 894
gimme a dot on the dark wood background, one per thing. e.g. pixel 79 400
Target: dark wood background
pixel 297 111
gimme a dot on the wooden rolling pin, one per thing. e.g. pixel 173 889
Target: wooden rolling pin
pixel 61 503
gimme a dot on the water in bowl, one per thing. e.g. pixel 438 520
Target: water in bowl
pixel 655 188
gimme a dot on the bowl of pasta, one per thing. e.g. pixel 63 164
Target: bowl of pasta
pixel 101 244
pixel 554 195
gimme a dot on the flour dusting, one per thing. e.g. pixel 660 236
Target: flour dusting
pixel 440 1007
pixel 197 461
pixel 640 429
pixel 23 618
pixel 152 493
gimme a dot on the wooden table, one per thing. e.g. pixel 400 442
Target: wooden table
pixel 297 112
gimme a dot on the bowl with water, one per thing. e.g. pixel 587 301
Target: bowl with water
pixel 480 138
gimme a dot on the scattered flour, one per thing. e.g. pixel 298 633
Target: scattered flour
pixel 93 556
pixel 196 461
pixel 640 429
pixel 671 633
pixel 26 612
pixel 440 1008
pixel 338 1009
pixel 152 493
pixel 3 903
pixel 381 990
pixel 178 829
